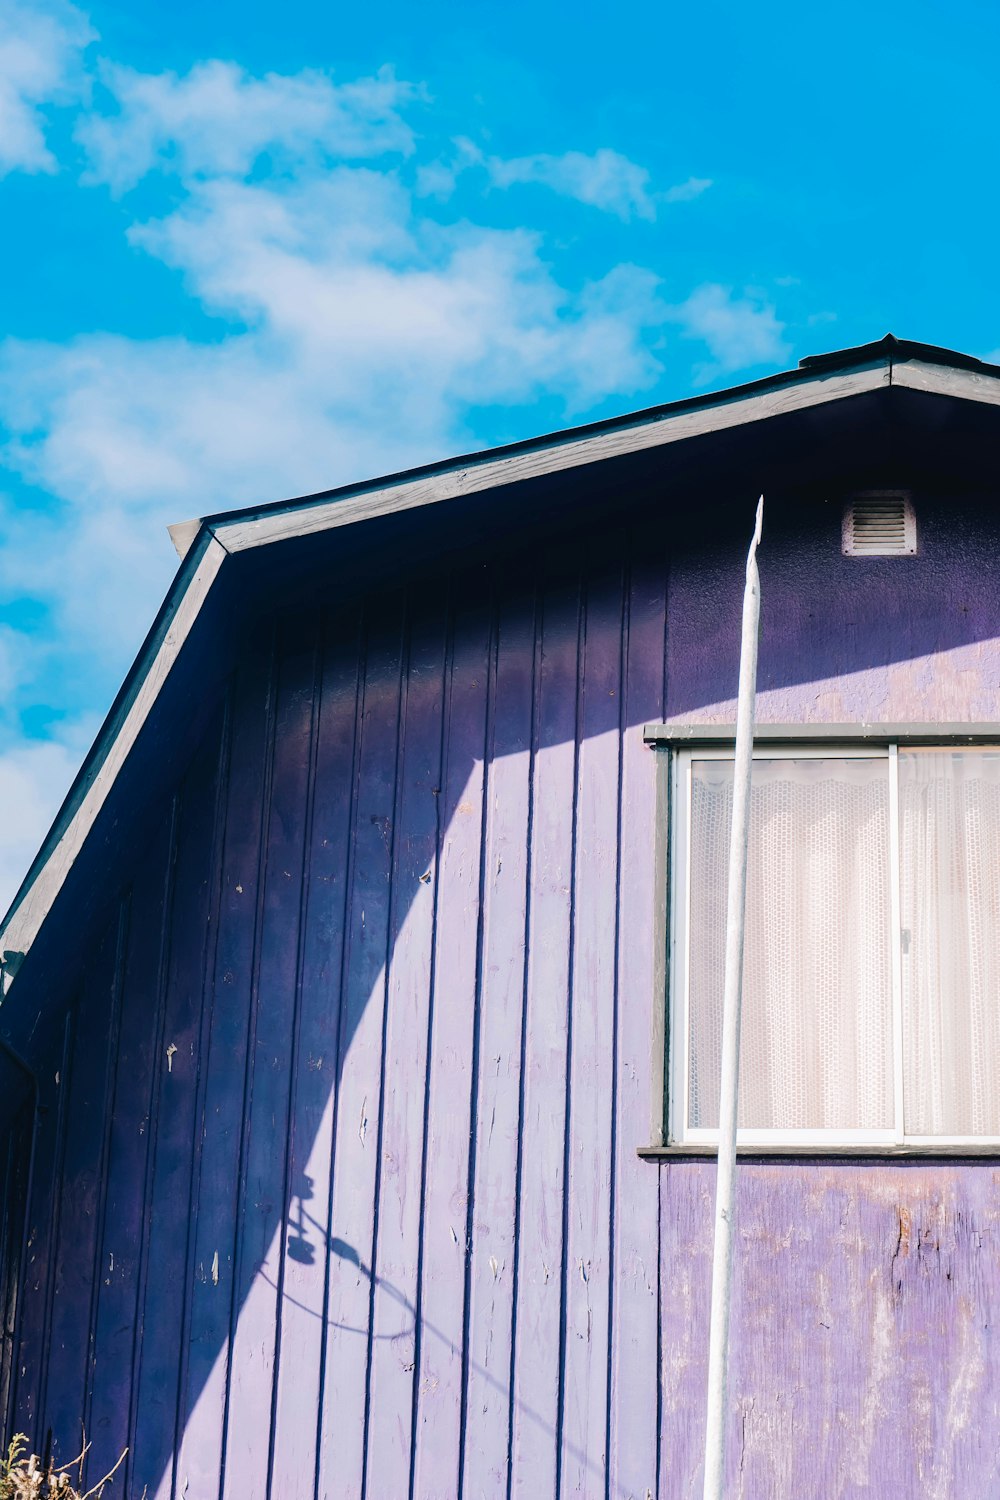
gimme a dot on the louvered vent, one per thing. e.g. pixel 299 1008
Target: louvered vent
pixel 880 523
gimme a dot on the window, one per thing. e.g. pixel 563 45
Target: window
pixel 871 995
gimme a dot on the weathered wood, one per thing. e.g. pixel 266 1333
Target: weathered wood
pixel 16 1186
pixel 259 1258
pixel 81 1196
pixel 307 1228
pixel 347 1333
pixel 43 1229
pixel 112 1415
pixel 449 1126
pixel 536 1381
pixel 634 1427
pixel 863 1356
pixel 492 1249
pixel 942 380
pixel 415 873
pixel 213 1308
pixel 586 1268
pixel 168 1217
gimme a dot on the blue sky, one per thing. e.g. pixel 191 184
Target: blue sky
pixel 252 250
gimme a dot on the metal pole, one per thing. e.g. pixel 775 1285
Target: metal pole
pixel 722 1257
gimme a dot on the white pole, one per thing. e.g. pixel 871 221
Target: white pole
pixel 722 1257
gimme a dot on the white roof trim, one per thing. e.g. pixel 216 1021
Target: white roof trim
pixel 947 380
pixel 475 477
pixel 184 534
pixel 22 929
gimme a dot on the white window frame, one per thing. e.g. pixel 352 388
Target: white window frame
pixel 679 1133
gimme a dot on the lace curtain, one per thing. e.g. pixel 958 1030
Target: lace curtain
pixel 816 1048
pixel 949 813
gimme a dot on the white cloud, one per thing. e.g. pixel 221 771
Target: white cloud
pixel 685 192
pixel 438 179
pixel 368 340
pixel 40 65
pixel 738 331
pixel 217 119
pixel 34 778
pixel 377 304
pixel 605 180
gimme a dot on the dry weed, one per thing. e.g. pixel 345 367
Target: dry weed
pixel 24 1476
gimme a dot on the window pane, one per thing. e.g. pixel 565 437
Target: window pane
pixel 816 1047
pixel 949 809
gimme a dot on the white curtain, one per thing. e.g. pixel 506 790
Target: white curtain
pixel 949 808
pixel 816 1047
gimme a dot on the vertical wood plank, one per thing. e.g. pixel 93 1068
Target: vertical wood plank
pixel 16 1186
pixel 52 1069
pixel 441 1305
pixel 415 876
pixel 111 1414
pixel 207 1340
pixel 355 1165
pixel 307 1228
pixel 587 1253
pixel 634 1438
pixel 492 1248
pixel 80 1193
pixel 162 1306
pixel 259 1249
pixel 539 1252
pixel 687 1193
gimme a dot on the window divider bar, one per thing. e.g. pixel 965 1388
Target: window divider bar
pixel 896 943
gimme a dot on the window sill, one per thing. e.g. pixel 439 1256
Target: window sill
pixel 700 1151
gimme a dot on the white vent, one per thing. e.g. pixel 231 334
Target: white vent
pixel 880 523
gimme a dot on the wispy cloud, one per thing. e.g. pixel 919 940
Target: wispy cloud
pixel 605 180
pixel 686 192
pixel 217 119
pixel 738 331
pixel 342 306
pixel 41 51
pixel 35 776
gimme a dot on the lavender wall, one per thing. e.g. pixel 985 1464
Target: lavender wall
pixel 407 886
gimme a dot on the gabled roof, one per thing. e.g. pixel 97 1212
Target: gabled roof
pixel 208 545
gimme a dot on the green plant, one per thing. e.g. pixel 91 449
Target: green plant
pixel 24 1476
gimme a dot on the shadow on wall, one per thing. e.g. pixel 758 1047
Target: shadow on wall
pixel 401 890
pixel 320 941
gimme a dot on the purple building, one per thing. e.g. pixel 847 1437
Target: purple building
pixel 361 1010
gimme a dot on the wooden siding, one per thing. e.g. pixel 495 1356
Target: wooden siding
pixel 336 1189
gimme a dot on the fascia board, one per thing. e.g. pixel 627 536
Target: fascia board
pixel 947 380
pixel 367 502
pixel 110 753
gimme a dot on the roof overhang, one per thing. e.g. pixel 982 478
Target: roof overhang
pixel 206 545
